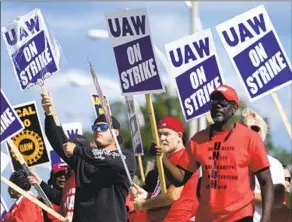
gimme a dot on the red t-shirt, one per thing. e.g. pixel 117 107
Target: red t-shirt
pixel 226 191
pixel 24 210
pixel 186 206
pixel 68 198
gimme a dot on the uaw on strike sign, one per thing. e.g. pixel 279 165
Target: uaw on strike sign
pixel 195 66
pixel 10 122
pixel 30 141
pixel 129 31
pixel 33 52
pixel 256 52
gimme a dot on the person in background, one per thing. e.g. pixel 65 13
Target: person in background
pixel 288 180
pixel 53 189
pixel 228 152
pixel 256 123
pixel 179 203
pixel 23 210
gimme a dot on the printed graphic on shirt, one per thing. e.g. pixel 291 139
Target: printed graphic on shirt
pixel 100 154
pixel 219 168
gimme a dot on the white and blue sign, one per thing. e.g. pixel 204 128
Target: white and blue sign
pixel 195 66
pixel 72 129
pixel 256 52
pixel 34 54
pixel 10 122
pixel 134 126
pixel 129 31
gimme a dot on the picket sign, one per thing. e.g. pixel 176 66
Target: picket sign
pixel 28 172
pixel 32 199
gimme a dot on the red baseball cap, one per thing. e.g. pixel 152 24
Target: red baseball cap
pixel 228 92
pixel 58 167
pixel 172 123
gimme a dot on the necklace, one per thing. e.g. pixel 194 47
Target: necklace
pixel 211 132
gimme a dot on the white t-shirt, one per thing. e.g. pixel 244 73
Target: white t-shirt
pixel 277 173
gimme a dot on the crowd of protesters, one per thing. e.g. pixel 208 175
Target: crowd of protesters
pixel 222 174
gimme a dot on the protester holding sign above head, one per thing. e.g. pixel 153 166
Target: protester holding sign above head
pixel 255 122
pixel 179 203
pixel 101 180
pixel 227 152
pixel 23 210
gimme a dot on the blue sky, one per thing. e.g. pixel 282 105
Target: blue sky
pixel 169 21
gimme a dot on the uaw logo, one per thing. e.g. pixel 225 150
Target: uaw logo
pixel 30 145
pixel 30 141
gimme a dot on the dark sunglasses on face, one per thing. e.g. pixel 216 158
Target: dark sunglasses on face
pixel 255 128
pixel 221 102
pixel 99 127
pixel 288 179
pixel 61 173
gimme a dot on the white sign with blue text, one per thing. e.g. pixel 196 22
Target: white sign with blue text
pixel 256 52
pixel 129 31
pixel 195 67
pixel 34 53
pixel 72 129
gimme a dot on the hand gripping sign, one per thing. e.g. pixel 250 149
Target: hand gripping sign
pixel 11 125
pixel 195 67
pixel 257 55
pixel 129 31
pixel 32 50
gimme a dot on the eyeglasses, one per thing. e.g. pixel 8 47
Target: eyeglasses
pixel 99 127
pixel 221 102
pixel 288 179
pixel 255 128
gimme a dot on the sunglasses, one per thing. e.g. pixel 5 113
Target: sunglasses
pixel 221 102
pixel 255 128
pixel 61 173
pixel 288 179
pixel 102 127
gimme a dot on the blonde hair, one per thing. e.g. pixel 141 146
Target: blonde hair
pixel 252 118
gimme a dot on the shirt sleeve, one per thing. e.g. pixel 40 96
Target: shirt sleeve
pixel 57 138
pixel 257 153
pixel 188 160
pixel 27 209
pixel 54 195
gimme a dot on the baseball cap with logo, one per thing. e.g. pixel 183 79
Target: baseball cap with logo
pixel 228 92
pixel 172 123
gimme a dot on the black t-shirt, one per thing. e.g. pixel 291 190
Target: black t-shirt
pixel 102 184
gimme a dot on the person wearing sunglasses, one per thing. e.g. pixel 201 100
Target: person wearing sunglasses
pixel 257 124
pixel 227 152
pixel 288 180
pixel 102 184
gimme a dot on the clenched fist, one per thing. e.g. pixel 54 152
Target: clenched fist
pixel 68 148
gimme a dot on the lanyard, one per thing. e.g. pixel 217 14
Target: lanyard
pixel 211 132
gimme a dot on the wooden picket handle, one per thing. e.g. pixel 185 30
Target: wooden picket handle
pixel 282 113
pixel 28 172
pixel 157 142
pixel 209 118
pixel 52 109
pixel 32 199
pixel 141 168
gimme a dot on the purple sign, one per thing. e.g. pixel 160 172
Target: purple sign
pixel 32 50
pixel 196 70
pixel 137 68
pixel 10 123
pixel 55 158
pixel 256 52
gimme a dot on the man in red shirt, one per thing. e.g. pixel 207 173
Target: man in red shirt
pixel 179 203
pixel 23 209
pixel 227 152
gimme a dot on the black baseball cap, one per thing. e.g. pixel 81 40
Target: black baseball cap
pixel 115 124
